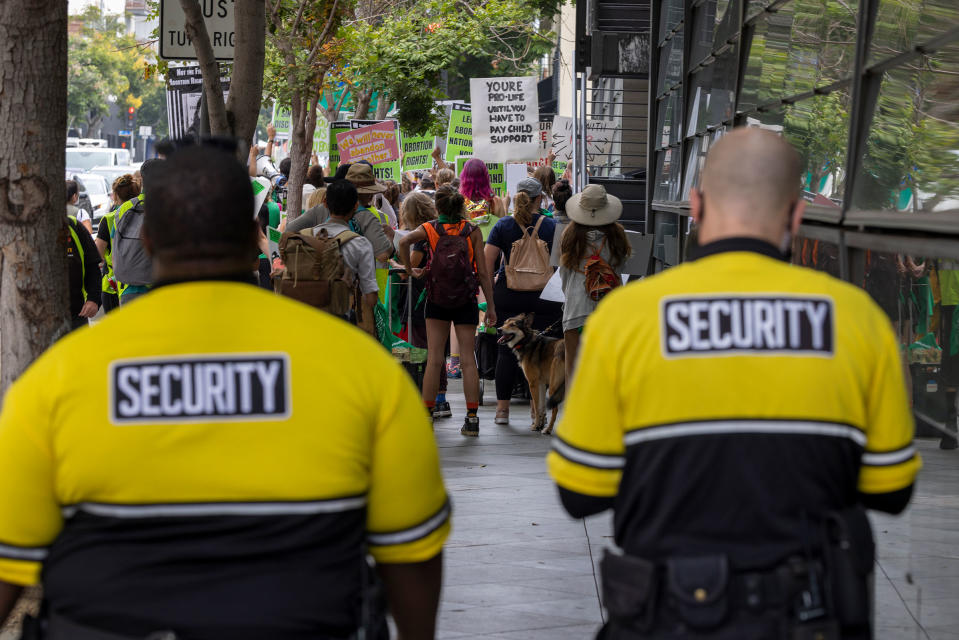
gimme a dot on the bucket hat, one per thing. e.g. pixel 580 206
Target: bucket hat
pixel 593 207
pixel 361 175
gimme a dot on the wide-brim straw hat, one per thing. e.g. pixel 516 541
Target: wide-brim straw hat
pixel 593 207
pixel 361 175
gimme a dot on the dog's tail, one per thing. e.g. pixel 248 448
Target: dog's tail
pixel 556 398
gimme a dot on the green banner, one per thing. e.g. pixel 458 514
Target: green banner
pixel 417 152
pixel 459 136
pixel 497 174
pixel 282 119
pixel 335 128
pixel 389 171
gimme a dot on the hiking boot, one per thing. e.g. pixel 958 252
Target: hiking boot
pixel 470 426
pixel 442 410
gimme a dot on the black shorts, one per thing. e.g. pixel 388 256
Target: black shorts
pixel 466 314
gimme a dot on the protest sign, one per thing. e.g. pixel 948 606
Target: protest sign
pixel 545 139
pixel 514 173
pixel 392 170
pixel 273 240
pixel 321 138
pixel 184 88
pixel 375 143
pixel 416 152
pixel 459 136
pixel 335 129
pixel 497 174
pixel 599 134
pixel 261 189
pixel 282 120
pixel 505 118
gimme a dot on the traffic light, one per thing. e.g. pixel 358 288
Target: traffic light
pixel 131 112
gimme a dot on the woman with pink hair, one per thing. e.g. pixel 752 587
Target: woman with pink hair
pixel 483 206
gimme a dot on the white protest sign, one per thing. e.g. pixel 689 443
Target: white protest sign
pixel 599 134
pixel 515 173
pixel 505 118
pixel 282 120
pixel 261 190
pixel 175 44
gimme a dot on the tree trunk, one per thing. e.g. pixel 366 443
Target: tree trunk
pixel 362 111
pixel 299 155
pixel 382 106
pixel 246 85
pixel 212 89
pixel 34 306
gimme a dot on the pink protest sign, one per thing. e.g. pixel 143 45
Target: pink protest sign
pixel 374 143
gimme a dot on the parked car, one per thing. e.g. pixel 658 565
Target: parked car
pixel 112 172
pixel 82 159
pixel 98 190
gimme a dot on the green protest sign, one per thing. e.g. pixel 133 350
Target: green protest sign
pixel 321 137
pixel 335 128
pixel 389 171
pixel 282 119
pixel 497 174
pixel 416 152
pixel 459 136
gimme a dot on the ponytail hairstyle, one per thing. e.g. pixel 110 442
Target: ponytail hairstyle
pixel 575 245
pixel 126 188
pixel 450 203
pixel 523 209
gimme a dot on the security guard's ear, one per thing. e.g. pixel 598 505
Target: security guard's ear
pixel 796 214
pixel 696 205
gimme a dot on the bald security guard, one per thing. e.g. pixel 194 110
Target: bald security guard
pixel 192 467
pixel 738 414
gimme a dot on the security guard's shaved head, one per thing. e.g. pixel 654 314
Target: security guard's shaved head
pixel 751 181
pixel 751 172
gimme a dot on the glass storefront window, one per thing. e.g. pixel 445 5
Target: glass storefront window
pixel 704 20
pixel 672 16
pixel 819 129
pixel 669 121
pixel 671 62
pixel 756 6
pixel 667 174
pixel 820 255
pixel 912 153
pixel 903 24
pixel 727 21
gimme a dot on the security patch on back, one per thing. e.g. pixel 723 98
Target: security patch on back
pixel 733 325
pixel 191 389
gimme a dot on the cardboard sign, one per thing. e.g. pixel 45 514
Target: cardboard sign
pixel 497 174
pixel 545 139
pixel 282 119
pixel 515 172
pixel 416 152
pixel 375 143
pixel 505 118
pixel 599 134
pixel 392 170
pixel 273 240
pixel 459 136
pixel 336 128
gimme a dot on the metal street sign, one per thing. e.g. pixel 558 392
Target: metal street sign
pixel 175 44
pixel 124 132
pixel 146 131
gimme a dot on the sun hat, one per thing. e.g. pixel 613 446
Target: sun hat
pixel 361 175
pixel 593 207
pixel 530 186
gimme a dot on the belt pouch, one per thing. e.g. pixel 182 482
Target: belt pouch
pixel 629 590
pixel 849 553
pixel 697 589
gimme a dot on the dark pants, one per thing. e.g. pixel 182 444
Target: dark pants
pixel 110 301
pixel 509 304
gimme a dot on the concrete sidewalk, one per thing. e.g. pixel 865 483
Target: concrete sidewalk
pixel 517 567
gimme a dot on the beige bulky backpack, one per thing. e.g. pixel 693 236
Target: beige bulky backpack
pixel 528 268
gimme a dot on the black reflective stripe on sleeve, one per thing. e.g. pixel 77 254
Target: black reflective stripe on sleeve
pixel 414 533
pixel 888 458
pixel 29 554
pixel 744 426
pixel 203 509
pixel 587 458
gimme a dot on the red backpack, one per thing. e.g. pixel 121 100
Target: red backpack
pixel 600 277
pixel 450 275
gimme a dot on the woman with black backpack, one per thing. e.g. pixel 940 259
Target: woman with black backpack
pixel 453 274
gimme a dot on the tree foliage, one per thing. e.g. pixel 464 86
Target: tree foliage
pixel 104 62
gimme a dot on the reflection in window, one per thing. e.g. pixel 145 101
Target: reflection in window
pixel 727 21
pixel 672 16
pixel 667 175
pixel 756 6
pixel 903 24
pixel 671 62
pixel 816 254
pixel 704 20
pixel 670 123
pixel 819 130
pixel 912 154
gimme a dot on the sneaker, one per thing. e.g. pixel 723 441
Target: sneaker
pixel 470 426
pixel 442 410
pixel 502 417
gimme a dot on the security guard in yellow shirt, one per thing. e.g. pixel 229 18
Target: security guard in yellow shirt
pixel 738 413
pixel 196 466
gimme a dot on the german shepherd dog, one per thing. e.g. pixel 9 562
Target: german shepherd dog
pixel 543 361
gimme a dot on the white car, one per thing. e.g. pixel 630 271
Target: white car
pixel 98 189
pixel 111 173
pixel 81 159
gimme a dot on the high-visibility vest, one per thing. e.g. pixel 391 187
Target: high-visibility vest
pixel 108 279
pixel 72 228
